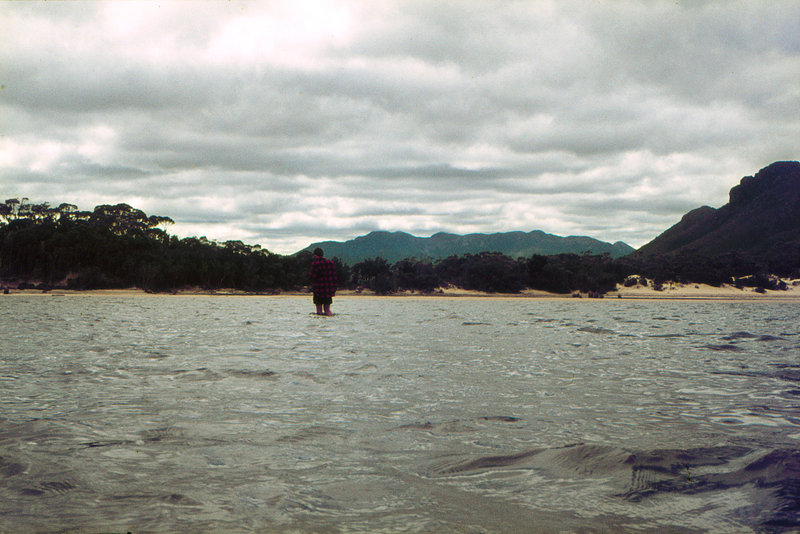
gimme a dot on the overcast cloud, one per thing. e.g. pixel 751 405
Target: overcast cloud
pixel 287 122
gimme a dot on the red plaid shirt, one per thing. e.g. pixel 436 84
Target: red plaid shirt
pixel 323 277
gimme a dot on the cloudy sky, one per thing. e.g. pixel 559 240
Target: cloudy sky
pixel 285 122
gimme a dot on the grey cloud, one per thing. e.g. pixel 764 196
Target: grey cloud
pixel 428 116
pixel 59 84
pixel 615 205
pixel 442 170
pixel 701 52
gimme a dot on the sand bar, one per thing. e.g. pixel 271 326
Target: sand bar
pixel 670 292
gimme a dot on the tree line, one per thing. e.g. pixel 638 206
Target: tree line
pixel 117 246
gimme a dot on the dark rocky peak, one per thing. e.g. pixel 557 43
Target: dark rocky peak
pixel 698 214
pixel 779 181
pixel 761 223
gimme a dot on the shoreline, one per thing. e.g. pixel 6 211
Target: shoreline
pixel 673 292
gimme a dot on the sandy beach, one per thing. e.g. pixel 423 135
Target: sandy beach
pixel 706 292
pixel 670 291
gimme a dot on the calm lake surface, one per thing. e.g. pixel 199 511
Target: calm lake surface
pixel 241 414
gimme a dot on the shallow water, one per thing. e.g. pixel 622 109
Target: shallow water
pixel 163 413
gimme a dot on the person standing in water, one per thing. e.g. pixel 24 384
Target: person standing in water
pixel 323 282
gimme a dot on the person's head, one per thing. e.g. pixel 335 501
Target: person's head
pixel 318 252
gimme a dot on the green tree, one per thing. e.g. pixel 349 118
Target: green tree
pixel 374 274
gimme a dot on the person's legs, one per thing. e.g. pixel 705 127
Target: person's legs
pixel 323 305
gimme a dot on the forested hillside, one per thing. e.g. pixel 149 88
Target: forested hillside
pixel 396 246
pixel 118 246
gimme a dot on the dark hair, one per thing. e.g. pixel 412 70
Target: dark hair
pixel 318 252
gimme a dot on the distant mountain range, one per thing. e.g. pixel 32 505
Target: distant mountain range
pixel 760 222
pixel 396 246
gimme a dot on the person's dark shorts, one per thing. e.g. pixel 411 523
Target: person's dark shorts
pixel 322 300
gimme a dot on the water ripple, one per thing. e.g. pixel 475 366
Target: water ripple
pixel 248 414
